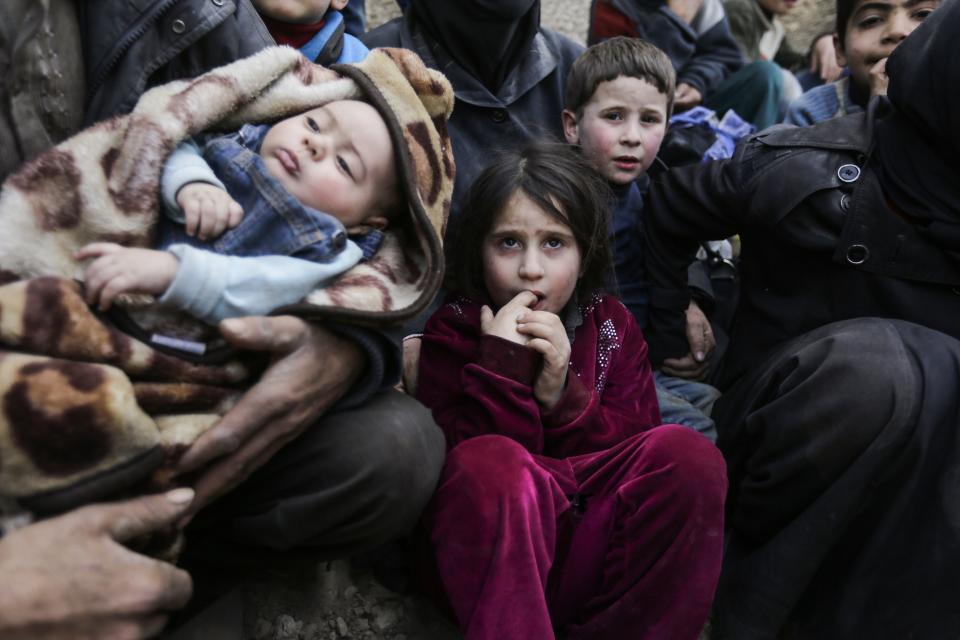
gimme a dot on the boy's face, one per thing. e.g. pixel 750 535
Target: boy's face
pixel 874 30
pixel 338 159
pixel 778 7
pixel 297 11
pixel 621 128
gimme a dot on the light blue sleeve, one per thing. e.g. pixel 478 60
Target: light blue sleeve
pixel 211 286
pixel 798 113
pixel 183 166
pixel 353 50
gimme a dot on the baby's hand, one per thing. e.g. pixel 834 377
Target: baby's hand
pixel 548 336
pixel 504 324
pixel 117 270
pixel 208 210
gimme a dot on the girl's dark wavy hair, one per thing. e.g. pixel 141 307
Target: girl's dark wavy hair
pixel 559 181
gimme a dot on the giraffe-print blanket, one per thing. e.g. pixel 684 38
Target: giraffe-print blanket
pixel 89 410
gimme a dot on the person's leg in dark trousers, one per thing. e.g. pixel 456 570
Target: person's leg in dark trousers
pixel 844 507
pixel 355 480
pixel 754 92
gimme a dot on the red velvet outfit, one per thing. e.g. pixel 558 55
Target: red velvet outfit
pixel 589 519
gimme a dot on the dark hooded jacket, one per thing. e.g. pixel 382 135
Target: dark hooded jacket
pixel 703 52
pixel 505 98
pixel 854 217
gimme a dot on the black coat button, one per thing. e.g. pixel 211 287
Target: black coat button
pixel 845 202
pixel 178 26
pixel 848 173
pixel 857 254
pixel 498 115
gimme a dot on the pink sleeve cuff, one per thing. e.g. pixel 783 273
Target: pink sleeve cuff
pixel 574 401
pixel 508 359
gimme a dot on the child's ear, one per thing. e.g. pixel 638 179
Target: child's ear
pixel 841 55
pixel 571 129
pixel 338 5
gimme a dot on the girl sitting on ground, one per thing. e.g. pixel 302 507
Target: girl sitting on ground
pixel 564 507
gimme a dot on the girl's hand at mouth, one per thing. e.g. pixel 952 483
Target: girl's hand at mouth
pixel 504 323
pixel 548 336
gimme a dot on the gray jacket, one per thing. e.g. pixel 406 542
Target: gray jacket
pixel 526 107
pixel 132 45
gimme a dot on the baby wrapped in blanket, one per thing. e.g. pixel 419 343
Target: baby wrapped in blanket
pixel 88 409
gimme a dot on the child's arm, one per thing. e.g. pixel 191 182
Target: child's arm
pixel 193 195
pixel 207 285
pixel 478 384
pixel 212 287
pixel 715 58
pixel 586 420
pixel 116 270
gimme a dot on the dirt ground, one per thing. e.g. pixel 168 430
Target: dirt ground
pixel 342 600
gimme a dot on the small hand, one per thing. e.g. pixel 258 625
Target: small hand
pixel 693 366
pixel 116 270
pixel 823 59
pixel 208 210
pixel 504 323
pixel 547 336
pixel 686 97
pixel 879 80
pixel 71 577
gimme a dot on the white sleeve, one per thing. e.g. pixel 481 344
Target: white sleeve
pixel 183 166
pixel 211 286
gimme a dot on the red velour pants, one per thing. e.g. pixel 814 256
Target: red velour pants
pixel 622 543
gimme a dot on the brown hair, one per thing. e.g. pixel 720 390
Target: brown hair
pixel 610 59
pixel 559 181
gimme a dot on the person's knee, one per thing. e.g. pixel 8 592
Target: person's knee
pixel 492 471
pixel 693 467
pixel 402 462
pixel 763 73
pixel 498 461
pixel 863 370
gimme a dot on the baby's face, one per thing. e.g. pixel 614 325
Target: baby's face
pixel 337 159
pixel 297 11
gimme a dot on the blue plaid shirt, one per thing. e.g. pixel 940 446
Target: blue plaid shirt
pixel 274 222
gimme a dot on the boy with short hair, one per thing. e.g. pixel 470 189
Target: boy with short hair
pixel 619 97
pixel 248 200
pixel 867 33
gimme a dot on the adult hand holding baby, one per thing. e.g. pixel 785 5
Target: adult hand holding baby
pixel 312 369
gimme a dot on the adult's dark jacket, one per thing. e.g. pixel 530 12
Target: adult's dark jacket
pixel 131 46
pixel 821 243
pixel 526 106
